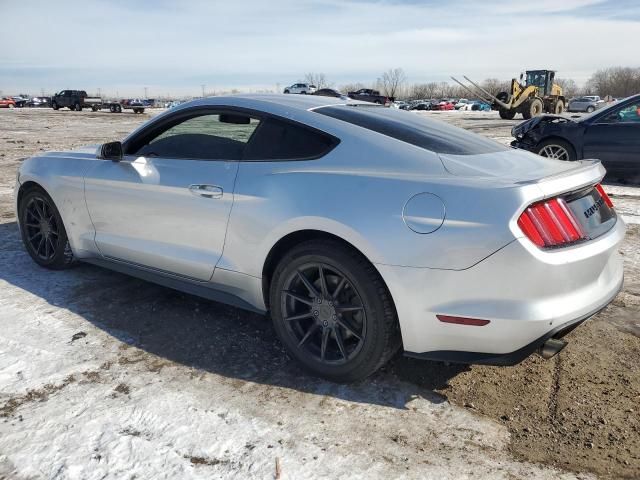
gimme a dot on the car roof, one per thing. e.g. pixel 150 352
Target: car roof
pixel 289 101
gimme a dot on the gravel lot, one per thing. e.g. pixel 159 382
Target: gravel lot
pixel 105 376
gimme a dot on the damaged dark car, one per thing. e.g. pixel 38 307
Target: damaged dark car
pixel 611 134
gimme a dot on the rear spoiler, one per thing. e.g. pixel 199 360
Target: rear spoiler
pixel 586 173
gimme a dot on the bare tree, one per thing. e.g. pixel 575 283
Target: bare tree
pixel 569 87
pixel 317 79
pixel 352 87
pixel 495 86
pixel 615 81
pixel 392 81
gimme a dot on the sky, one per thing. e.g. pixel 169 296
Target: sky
pixel 122 47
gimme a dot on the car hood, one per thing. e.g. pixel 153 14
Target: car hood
pixel 521 129
pixel 511 165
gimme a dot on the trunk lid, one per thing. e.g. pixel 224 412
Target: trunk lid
pixel 516 165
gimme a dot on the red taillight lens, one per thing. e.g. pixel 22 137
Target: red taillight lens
pixel 604 195
pixel 550 224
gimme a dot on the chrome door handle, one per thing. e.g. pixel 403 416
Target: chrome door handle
pixel 207 191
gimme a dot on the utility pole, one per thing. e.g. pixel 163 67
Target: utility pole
pixel 203 87
pixel 145 93
pixel 99 92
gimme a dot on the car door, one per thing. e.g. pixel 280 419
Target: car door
pixel 166 204
pixel 614 138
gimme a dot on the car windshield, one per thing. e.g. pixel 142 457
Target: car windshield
pixel 433 135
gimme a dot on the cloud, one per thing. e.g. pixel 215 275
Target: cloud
pixel 176 46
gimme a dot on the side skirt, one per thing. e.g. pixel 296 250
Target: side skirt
pixel 182 284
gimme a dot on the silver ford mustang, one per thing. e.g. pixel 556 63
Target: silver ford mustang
pixel 361 229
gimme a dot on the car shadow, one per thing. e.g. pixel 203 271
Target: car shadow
pixel 202 334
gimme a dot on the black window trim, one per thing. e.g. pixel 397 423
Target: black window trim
pixel 161 125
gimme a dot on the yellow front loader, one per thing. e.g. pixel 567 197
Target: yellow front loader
pixel 536 95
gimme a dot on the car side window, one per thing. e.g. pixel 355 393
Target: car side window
pixel 628 114
pixel 280 140
pixel 203 137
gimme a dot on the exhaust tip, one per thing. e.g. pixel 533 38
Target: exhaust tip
pixel 551 347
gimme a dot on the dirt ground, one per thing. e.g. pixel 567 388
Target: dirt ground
pixel 105 376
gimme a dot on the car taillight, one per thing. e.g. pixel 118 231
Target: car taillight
pixel 604 195
pixel 550 223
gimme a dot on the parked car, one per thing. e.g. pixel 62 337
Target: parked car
pixel 469 105
pixel 329 92
pixel 39 102
pixel 611 134
pixel 584 104
pixel 7 102
pixel 445 105
pixel 20 100
pixel 370 95
pixel 461 103
pixel 75 100
pixel 348 274
pixel 481 107
pixel 302 88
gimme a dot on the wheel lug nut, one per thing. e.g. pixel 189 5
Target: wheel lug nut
pixel 334 317
pixel 315 313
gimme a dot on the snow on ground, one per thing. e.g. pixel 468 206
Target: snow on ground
pixel 626 200
pixel 85 396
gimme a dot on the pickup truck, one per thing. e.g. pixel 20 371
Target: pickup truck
pixel 369 95
pixel 75 100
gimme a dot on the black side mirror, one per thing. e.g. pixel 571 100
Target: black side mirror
pixel 111 151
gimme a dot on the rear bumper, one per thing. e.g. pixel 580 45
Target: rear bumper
pixel 512 358
pixel 529 295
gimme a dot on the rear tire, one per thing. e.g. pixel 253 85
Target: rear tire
pixel 78 107
pixel 590 109
pixel 43 232
pixel 507 114
pixel 55 106
pixel 556 148
pixel 558 108
pixel 286 91
pixel 118 108
pixel 351 312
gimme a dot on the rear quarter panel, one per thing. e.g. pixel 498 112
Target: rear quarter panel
pixel 358 192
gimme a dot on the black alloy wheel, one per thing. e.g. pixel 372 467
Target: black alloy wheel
pixel 332 311
pixel 41 228
pixel 324 313
pixel 43 232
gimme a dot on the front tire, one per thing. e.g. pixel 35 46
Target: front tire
pixel 590 109
pixel 78 107
pixel 54 105
pixel 43 232
pixel 558 108
pixel 557 149
pixel 332 311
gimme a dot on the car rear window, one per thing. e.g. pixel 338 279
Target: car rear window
pixel 280 140
pixel 433 135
